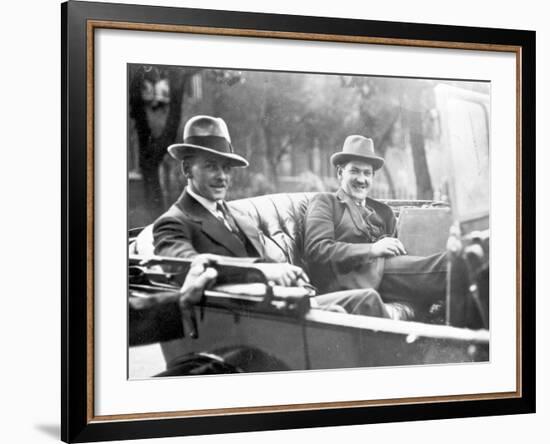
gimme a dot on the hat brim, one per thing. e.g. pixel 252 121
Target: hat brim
pixel 339 158
pixel 180 150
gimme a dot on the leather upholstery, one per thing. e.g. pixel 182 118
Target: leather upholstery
pixel 422 230
pixel 281 217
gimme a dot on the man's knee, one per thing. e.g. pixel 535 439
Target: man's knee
pixel 365 302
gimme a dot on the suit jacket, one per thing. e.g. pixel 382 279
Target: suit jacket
pixel 188 229
pixel 338 242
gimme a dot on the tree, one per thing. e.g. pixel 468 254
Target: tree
pixel 384 102
pixel 274 115
pixel 156 96
pixel 414 115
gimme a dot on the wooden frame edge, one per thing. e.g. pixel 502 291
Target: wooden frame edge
pixel 90 128
pixel 284 408
pixel 235 32
pixel 95 24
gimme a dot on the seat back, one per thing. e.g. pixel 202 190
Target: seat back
pixel 281 217
pixel 424 231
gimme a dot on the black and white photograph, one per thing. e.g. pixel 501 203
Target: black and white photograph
pixel 275 222
pixel 282 221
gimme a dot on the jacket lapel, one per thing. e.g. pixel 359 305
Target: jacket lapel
pixel 354 211
pixel 210 225
pixel 251 232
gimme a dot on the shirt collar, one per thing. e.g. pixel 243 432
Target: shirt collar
pixel 356 202
pixel 210 205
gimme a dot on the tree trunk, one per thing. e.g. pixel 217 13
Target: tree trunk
pixel 382 147
pixel 423 180
pixel 270 156
pixel 389 180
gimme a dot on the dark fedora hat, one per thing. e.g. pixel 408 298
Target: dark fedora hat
pixel 208 135
pixel 357 148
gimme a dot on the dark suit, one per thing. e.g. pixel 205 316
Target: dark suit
pixel 338 243
pixel 188 229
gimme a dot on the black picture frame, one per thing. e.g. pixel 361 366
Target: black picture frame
pixel 78 423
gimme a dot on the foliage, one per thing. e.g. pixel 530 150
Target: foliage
pixel 286 124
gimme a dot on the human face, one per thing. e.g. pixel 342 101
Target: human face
pixel 209 176
pixel 356 178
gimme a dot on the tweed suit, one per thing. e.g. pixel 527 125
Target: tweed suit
pixel 338 249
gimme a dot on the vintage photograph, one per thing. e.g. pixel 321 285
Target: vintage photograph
pixel 283 221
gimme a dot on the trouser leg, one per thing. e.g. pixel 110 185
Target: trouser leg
pixel 416 279
pixel 361 302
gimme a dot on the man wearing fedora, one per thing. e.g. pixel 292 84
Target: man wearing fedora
pixel 200 222
pixel 350 239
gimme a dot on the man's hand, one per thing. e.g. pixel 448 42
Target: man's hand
pixel 388 247
pixel 199 277
pixel 287 275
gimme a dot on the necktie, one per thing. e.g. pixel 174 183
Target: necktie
pixel 227 219
pixel 372 221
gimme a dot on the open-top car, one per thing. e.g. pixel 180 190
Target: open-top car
pixel 246 324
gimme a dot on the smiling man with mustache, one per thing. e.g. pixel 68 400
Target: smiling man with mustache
pixel 351 240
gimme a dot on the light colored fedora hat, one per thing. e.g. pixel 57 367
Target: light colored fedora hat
pixel 206 134
pixel 357 148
